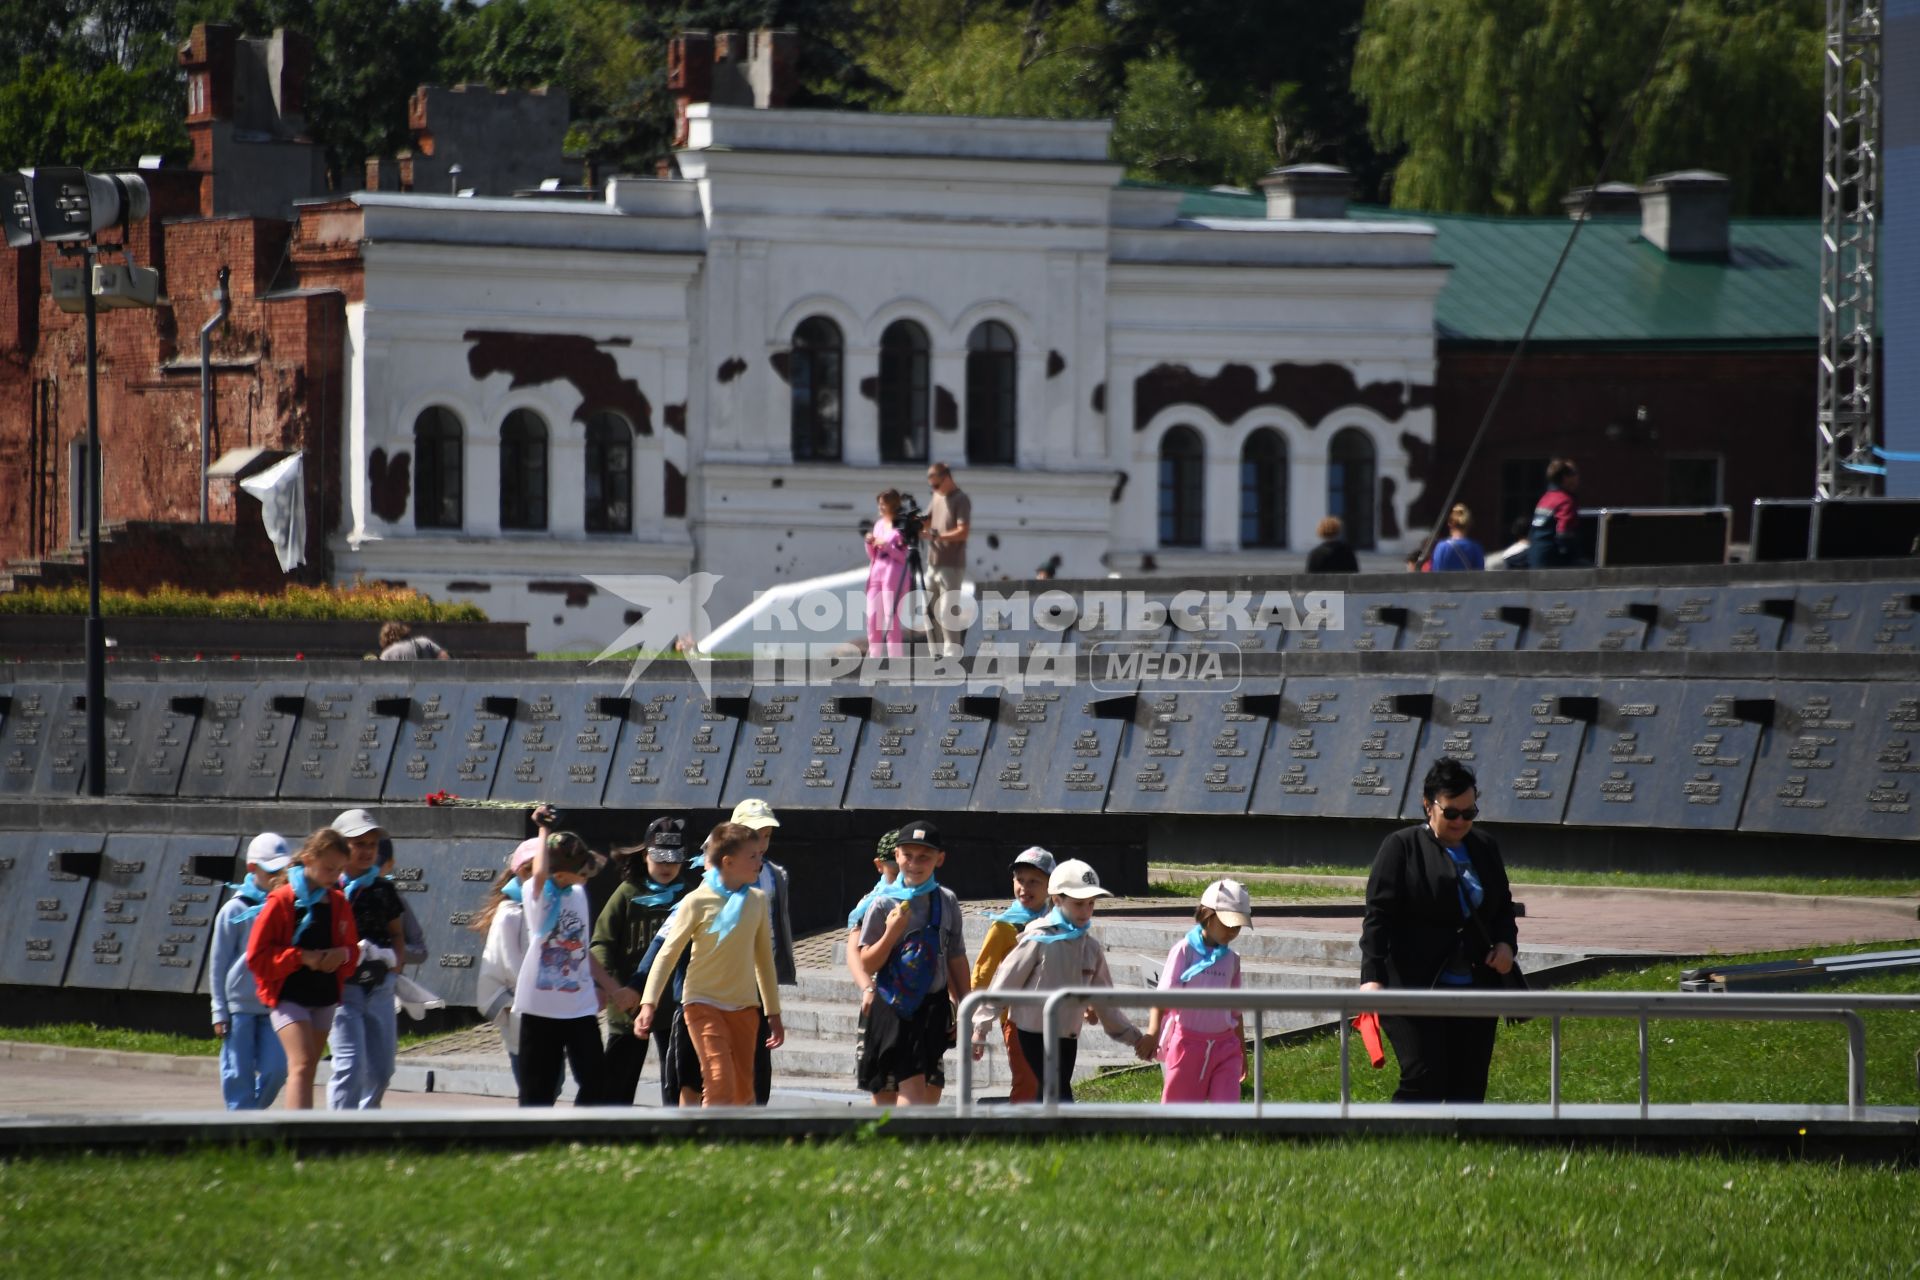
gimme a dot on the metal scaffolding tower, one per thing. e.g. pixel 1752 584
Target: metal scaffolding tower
pixel 1849 243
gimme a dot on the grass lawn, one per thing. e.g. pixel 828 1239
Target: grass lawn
pixel 87 1035
pixel 1784 1062
pixel 1840 886
pixel 1095 1207
pixel 1262 890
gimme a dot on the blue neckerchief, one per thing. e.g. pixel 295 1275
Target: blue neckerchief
pixel 901 891
pixel 1472 892
pixel 1018 916
pixel 1062 930
pixel 355 885
pixel 663 895
pixel 729 916
pixel 859 912
pixel 305 897
pixel 513 891
pixel 248 890
pixel 556 899
pixel 1209 954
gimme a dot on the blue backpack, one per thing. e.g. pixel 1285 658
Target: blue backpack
pixel 908 975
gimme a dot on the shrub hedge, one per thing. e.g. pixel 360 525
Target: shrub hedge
pixel 361 602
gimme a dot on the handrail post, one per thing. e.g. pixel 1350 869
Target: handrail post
pixel 1643 1066
pixel 962 1016
pixel 1050 1057
pixel 1553 1073
pixel 1346 1067
pixel 1259 1066
pixel 1856 1060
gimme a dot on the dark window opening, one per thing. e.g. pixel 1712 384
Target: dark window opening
pixel 1182 461
pixel 523 471
pixel 439 470
pixel 609 474
pixel 1350 484
pixel 992 395
pixel 815 378
pixel 905 384
pixel 1263 490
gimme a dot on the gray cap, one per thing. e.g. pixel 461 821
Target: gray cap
pixel 1036 857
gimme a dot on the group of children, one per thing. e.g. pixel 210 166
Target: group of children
pixel 306 952
pixel 906 952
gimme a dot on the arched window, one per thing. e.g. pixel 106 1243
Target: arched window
pixel 992 394
pixel 1263 490
pixel 1182 458
pixel 523 471
pixel 609 474
pixel 814 372
pixel 1350 472
pixel 437 491
pixel 904 386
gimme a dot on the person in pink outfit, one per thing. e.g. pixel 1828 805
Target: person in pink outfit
pixel 1203 1050
pixel 886 579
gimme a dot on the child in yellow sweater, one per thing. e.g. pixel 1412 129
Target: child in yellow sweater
pixel 730 978
pixel 1030 872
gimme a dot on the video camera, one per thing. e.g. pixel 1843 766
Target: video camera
pixel 909 519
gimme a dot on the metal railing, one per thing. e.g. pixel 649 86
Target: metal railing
pixel 1643 1007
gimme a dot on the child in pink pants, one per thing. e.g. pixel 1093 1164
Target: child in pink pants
pixel 1202 1050
pixel 886 579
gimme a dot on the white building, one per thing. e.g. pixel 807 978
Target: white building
pixel 719 371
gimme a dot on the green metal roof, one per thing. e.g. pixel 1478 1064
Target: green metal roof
pixel 1616 287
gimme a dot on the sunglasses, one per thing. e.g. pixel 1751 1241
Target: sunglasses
pixel 1459 815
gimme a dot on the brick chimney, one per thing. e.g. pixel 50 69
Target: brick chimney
pixel 246 118
pixel 734 68
pixel 1308 191
pixel 1686 213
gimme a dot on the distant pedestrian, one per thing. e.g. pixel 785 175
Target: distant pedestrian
pixel 503 923
pixel 399 644
pixel 1458 551
pixel 561 987
pixel 302 949
pixel 1553 539
pixel 1333 555
pixel 253 1066
pixel 365 1031
pixel 758 817
pixel 886 578
pixel 949 520
pixel 1204 1050
pixel 1030 871
pixel 651 885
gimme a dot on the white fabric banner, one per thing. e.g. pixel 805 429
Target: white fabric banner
pixel 283 509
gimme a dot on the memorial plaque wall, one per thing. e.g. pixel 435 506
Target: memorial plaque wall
pixel 45 905
pixel 1107 625
pixel 1591 621
pixel 176 929
pixel 1721 619
pixel 16 851
pixel 128 706
pixel 28 725
pixel 1342 747
pixel 1192 752
pixel 63 760
pixel 105 951
pixel 1825 619
pixel 1014 626
pixel 451 742
pixel 1814 773
pixel 921 749
pixel 1891 723
pixel 1372 624
pixel 1051 751
pixel 447 884
pixel 241 739
pixel 1468 621
pixel 1517 739
pixel 165 735
pixel 561 745
pixel 1666 753
pixel 1889 619
pixel 345 740
pixel 796 748
pixel 675 747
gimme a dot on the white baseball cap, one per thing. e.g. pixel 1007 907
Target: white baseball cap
pixel 269 852
pixel 355 822
pixel 755 813
pixel 1075 879
pixel 1230 901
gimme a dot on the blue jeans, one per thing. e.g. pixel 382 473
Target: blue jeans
pixel 364 1040
pixel 253 1066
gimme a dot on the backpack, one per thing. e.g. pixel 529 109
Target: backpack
pixel 908 975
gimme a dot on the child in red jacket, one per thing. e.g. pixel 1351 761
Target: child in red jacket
pixel 303 946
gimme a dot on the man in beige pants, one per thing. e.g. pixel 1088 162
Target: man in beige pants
pixel 948 516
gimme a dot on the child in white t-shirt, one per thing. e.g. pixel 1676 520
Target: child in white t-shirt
pixel 555 1000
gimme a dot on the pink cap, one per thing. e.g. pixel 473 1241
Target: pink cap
pixel 523 853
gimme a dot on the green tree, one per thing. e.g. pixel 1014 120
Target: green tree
pixel 1502 106
pixel 53 113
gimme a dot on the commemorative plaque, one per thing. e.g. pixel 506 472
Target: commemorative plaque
pixel 1891 619
pixel 105 951
pixel 1891 782
pixel 45 905
pixel 345 740
pixel 561 744
pixel 16 851
pixel 1667 753
pixel 128 709
pixel 1051 750
pixel 1516 736
pixel 1826 618
pixel 163 736
pixel 1112 622
pixel 1342 747
pixel 1591 621
pixel 1193 752
pixel 63 759
pixel 1814 773
pixel 1373 624
pixel 921 749
pixel 1019 625
pixel 675 747
pixel 796 747
pixel 1469 621
pixel 241 738
pixel 1721 619
pixel 176 929
pixel 450 741
pixel 448 883
pixel 28 723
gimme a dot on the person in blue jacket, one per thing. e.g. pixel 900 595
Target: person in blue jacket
pixel 253 1066
pixel 1458 551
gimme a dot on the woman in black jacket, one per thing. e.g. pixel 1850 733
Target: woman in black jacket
pixel 1439 915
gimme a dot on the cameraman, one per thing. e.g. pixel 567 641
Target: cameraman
pixel 948 517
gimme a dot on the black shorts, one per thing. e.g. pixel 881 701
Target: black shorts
pixel 893 1048
pixel 681 1068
